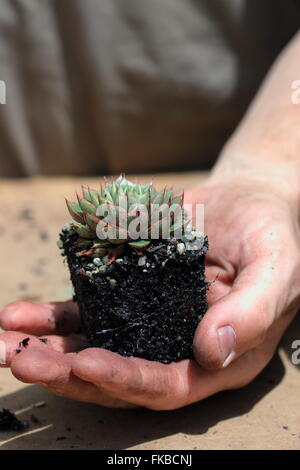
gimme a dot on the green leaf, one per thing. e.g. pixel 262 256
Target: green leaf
pixel 139 244
pixel 92 221
pixel 113 190
pixel 132 199
pixel 159 198
pixel 83 243
pixel 86 193
pixel 99 252
pixel 101 244
pixel 177 200
pixel 75 211
pixel 145 198
pixel 84 231
pixel 107 196
pixel 146 187
pixel 122 181
pixel 168 196
pixel 94 197
pixel 87 206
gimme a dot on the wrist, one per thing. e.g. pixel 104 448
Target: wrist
pixel 275 172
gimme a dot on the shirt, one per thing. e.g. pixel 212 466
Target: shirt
pixel 103 86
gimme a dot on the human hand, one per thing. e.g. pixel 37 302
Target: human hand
pixel 254 260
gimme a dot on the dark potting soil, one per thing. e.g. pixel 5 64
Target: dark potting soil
pixel 9 422
pixel 24 342
pixel 146 306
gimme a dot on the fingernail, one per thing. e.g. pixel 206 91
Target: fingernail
pixel 226 336
pixel 2 352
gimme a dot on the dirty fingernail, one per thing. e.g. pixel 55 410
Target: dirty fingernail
pixel 2 352
pixel 226 337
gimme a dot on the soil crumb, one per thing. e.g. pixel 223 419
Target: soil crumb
pixel 24 342
pixel 9 421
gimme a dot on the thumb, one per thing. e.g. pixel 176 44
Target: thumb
pixel 240 320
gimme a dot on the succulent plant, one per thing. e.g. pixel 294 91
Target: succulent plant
pixel 105 219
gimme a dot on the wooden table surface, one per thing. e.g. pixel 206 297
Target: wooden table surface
pixel 265 414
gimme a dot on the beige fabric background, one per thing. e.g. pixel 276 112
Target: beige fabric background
pixel 99 86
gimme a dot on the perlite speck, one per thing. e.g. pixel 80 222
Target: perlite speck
pixel 142 261
pixel 181 248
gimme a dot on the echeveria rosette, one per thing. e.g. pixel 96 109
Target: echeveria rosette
pixel 125 200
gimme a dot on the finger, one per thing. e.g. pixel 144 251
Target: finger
pixel 12 344
pixel 41 319
pixel 137 381
pixel 240 321
pixel 66 344
pixel 161 386
pixel 52 370
pixel 220 282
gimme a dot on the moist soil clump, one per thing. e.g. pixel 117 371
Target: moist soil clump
pixel 145 305
pixel 9 421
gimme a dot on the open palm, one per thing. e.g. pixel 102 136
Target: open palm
pixel 253 263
